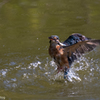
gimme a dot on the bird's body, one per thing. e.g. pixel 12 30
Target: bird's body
pixel 65 53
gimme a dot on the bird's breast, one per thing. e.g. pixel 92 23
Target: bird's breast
pixel 55 51
pixel 58 54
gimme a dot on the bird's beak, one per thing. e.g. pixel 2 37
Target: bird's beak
pixel 50 38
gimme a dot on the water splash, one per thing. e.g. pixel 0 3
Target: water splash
pixel 85 69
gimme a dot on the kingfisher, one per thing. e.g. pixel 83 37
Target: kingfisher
pixel 65 53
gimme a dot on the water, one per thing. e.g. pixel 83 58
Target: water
pixel 40 78
pixel 26 70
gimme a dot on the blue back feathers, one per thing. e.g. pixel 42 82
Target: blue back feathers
pixel 74 38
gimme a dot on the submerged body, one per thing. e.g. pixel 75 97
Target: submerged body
pixel 65 53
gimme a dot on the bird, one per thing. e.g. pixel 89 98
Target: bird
pixel 65 53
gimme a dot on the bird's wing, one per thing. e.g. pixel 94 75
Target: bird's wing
pixel 74 51
pixel 75 38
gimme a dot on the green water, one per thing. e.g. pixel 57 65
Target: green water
pixel 26 70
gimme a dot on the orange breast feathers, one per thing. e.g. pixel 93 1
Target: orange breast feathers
pixel 59 50
pixel 55 51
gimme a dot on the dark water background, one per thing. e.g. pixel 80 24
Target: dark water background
pixel 26 70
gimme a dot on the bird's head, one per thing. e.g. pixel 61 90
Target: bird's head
pixel 55 40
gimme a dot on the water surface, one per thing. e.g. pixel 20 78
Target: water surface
pixel 26 70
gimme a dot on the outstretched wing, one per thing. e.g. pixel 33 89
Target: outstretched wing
pixel 74 51
pixel 75 38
